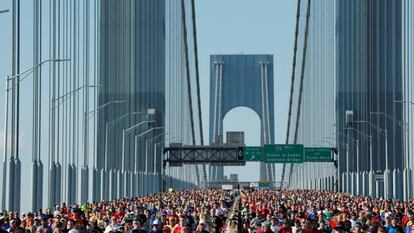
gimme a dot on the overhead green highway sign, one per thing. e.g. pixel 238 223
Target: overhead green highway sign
pixel 318 154
pixel 263 184
pixel 283 153
pixel 252 153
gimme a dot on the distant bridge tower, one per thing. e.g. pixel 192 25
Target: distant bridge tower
pixel 241 80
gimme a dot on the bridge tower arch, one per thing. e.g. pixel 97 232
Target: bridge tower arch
pixel 241 80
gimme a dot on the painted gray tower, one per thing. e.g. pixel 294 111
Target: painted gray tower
pixel 241 80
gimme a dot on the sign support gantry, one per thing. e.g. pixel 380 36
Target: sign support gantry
pixel 177 154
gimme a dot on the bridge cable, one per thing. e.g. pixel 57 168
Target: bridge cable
pixel 190 101
pixel 301 83
pixel 198 83
pixel 292 82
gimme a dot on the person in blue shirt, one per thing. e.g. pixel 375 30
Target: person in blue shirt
pixel 312 213
pixel 394 227
pixel 4 224
pixel 410 229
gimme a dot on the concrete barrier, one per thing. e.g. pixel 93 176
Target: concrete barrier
pixel 364 183
pixel 372 190
pixel 397 189
pixel 387 184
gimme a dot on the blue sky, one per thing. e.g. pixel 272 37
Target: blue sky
pixel 248 27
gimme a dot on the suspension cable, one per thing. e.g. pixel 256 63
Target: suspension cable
pixel 198 83
pixel 292 84
pixel 301 82
pixel 190 101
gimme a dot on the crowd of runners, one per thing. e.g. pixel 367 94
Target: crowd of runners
pixel 213 211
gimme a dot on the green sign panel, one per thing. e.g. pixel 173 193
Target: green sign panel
pixel 283 153
pixel 252 153
pixel 263 184
pixel 318 154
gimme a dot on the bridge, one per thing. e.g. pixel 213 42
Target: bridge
pixel 105 99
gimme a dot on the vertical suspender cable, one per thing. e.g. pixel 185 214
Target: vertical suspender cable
pixel 190 101
pixel 69 104
pixel 50 88
pixel 57 75
pixel 95 62
pixel 39 104
pixel 17 172
pixel 86 76
pixel 74 124
pixel 33 190
pixel 64 107
pixel 74 83
pixel 198 83
pixel 301 82
pixel 77 39
pixel 17 82
pixel 35 77
pixel 53 174
pixel 292 84
pixel 53 90
pixel 39 139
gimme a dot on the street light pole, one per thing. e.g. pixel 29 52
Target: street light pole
pixel 6 115
pixel 137 137
pixel 155 145
pixel 357 155
pixel 123 188
pixel 365 137
pixel 109 125
pixel 347 164
pixel 387 179
pixel 371 175
pixel 30 70
pixel 107 183
pixel 145 175
pixel 85 169
pixel 64 96
pixel 13 186
pixel 337 185
pixel 370 154
pixel 407 180
pixel 403 127
pixel 382 132
pixel 402 124
pixel 153 139
pixel 404 101
pixel 86 118
pixel 347 183
pixel 124 132
pixel 386 150
pixel 4 11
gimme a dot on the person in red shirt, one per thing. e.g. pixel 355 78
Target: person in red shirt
pixel 307 226
pixel 285 228
pixel 180 226
pixel 261 228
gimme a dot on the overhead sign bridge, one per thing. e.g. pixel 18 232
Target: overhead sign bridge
pixel 177 154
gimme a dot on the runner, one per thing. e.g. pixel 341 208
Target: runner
pixel 206 211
